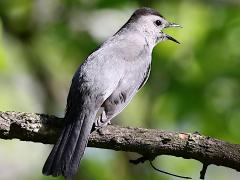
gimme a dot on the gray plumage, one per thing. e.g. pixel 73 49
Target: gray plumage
pixel 103 86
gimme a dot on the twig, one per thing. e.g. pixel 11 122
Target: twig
pixel 150 159
pixel 171 174
pixel 203 171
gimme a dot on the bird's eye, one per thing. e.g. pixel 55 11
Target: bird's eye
pixel 158 22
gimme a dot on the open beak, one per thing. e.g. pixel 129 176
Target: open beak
pixel 166 36
pixel 170 24
pixel 171 38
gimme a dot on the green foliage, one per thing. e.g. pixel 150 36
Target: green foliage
pixel 194 86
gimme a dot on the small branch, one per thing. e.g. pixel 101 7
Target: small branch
pixel 148 142
pixel 140 160
pixel 150 159
pixel 203 171
pixel 170 174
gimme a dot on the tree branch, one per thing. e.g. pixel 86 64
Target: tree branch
pixel 148 142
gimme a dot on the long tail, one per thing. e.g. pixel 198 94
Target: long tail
pixel 66 154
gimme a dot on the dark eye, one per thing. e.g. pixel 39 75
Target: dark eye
pixel 158 22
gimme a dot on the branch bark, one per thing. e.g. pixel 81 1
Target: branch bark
pixel 147 142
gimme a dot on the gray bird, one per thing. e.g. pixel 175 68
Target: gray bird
pixel 104 85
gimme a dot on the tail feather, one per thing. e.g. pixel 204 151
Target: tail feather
pixel 59 162
pixel 52 158
pixel 69 152
pixel 66 154
pixel 81 144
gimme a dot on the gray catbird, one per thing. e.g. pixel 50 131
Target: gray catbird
pixel 104 84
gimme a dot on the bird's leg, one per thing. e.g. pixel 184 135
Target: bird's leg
pixel 101 121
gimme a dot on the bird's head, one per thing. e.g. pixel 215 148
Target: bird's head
pixel 151 23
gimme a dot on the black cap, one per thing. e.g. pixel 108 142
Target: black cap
pixel 144 12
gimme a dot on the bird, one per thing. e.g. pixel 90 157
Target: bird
pixel 104 84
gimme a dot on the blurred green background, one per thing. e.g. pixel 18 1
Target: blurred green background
pixel 194 86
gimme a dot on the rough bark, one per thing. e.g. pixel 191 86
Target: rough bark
pixel 147 142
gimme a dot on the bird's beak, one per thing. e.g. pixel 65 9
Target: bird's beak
pixel 171 38
pixel 170 24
